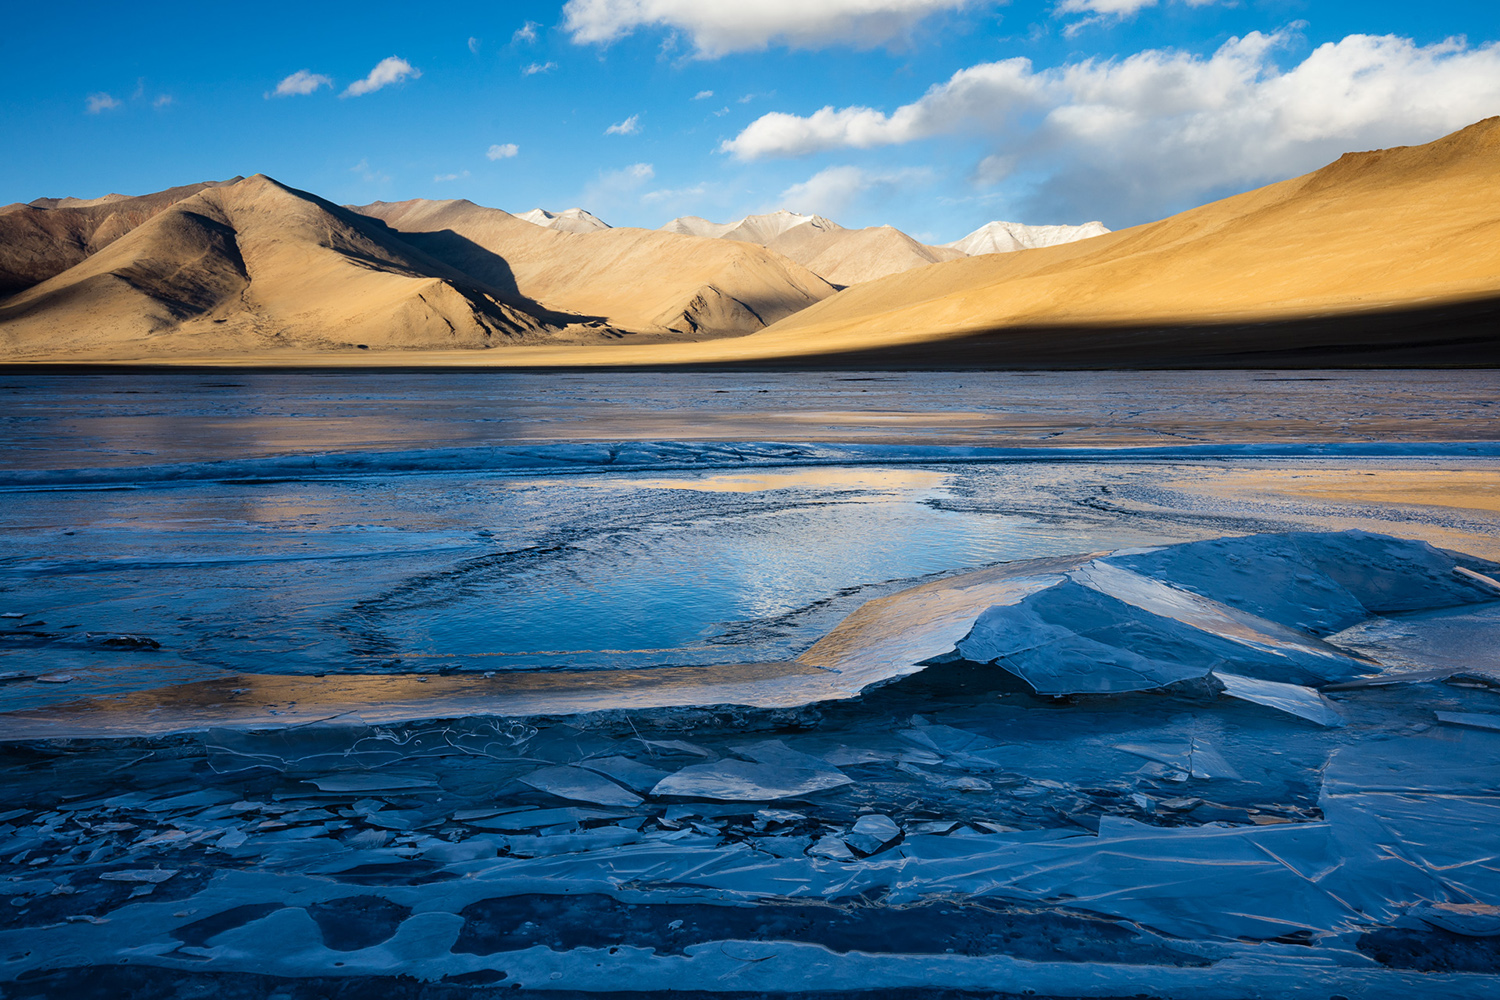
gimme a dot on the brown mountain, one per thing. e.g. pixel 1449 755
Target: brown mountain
pixel 640 280
pixel 255 266
pixel 50 235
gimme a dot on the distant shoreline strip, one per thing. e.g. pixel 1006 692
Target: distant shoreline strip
pixel 684 456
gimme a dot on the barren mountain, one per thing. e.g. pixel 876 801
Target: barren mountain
pixel 255 266
pixel 838 255
pixel 50 235
pixel 572 220
pixel 1008 237
pixel 639 280
pixel 1402 228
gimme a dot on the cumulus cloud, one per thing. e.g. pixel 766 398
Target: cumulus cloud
pixel 101 101
pixel 532 69
pixel 717 27
pixel 300 83
pixel 1132 138
pixel 703 95
pixel 502 151
pixel 389 70
pixel 440 178
pixel 525 33
pixel 629 126
pixel 834 190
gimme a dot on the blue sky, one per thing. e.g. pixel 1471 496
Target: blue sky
pixel 940 114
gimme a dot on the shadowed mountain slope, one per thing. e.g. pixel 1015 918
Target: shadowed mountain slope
pixel 50 235
pixel 639 280
pixel 1397 228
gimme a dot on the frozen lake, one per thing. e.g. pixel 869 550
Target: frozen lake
pixel 505 672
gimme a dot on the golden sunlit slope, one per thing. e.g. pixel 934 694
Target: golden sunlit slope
pixel 1403 227
pixel 641 280
pixel 256 266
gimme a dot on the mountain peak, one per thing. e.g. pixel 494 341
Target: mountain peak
pixel 571 220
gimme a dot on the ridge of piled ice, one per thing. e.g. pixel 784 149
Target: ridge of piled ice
pixel 1248 608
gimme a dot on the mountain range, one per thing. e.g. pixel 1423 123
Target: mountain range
pixel 1389 256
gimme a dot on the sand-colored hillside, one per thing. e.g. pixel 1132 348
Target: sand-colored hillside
pixel 1408 226
pixel 851 256
pixel 841 256
pixel 256 266
pixel 639 280
pixel 1385 257
pixel 49 235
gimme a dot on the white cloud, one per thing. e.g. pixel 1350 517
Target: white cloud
pixel 532 69
pixel 703 95
pixel 440 178
pixel 1132 138
pixel 502 151
pixel 629 126
pixel 525 33
pixel 300 83
pixel 101 101
pixel 717 27
pixel 1108 12
pixel 389 70
pixel 164 101
pixel 1116 8
pixel 834 190
pixel 474 45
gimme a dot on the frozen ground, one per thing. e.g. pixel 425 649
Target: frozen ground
pixel 481 698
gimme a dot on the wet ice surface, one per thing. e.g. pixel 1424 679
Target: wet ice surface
pixel 1292 793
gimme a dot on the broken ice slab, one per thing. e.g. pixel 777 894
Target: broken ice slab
pixel 1300 701
pixel 1070 639
pixel 872 834
pixel 1301 650
pixel 1191 757
pixel 1321 582
pixel 1468 919
pixel 745 781
pixel 147 875
pixel 377 782
pixel 568 782
pixel 1479 720
pixel 536 819
pixel 1460 639
pixel 631 773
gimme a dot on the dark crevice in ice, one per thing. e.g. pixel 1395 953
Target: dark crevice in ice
pixel 561 923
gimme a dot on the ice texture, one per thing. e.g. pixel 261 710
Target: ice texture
pixel 1295 699
pixel 948 829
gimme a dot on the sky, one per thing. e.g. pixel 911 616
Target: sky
pixel 934 116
